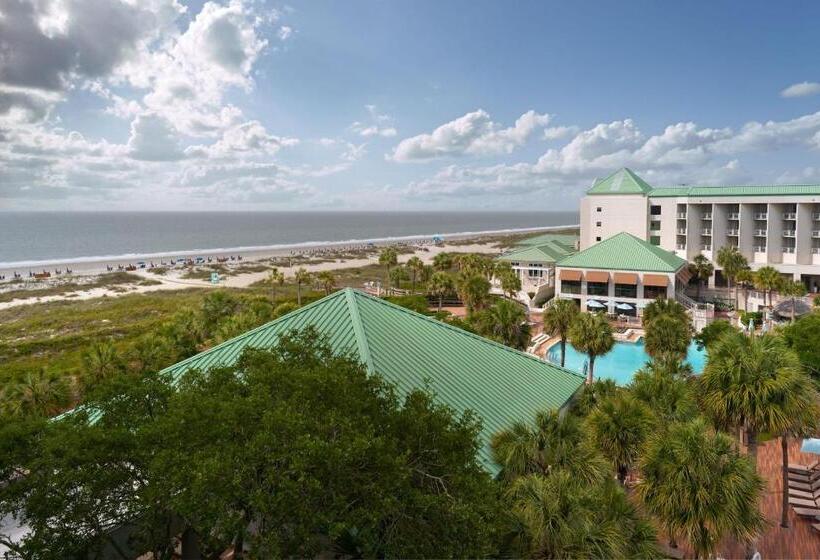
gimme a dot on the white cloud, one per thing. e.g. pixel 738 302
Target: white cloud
pixel 248 138
pixel 471 134
pixel 379 124
pixel 802 89
pixel 153 139
pixel 560 132
pixel 284 33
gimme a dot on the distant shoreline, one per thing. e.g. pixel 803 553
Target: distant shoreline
pixel 92 264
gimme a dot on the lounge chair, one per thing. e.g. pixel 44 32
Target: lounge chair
pixel 805 486
pixel 802 502
pixel 803 494
pixel 797 467
pixel 813 476
pixel 816 526
pixel 807 512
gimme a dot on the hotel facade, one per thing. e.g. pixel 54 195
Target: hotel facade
pixel 774 225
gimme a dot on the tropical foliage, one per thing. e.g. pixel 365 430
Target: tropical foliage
pixel 558 319
pixel 592 335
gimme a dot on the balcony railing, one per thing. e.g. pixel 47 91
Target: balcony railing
pixel 788 250
pixel 733 215
pixel 706 247
pixel 761 216
pixel 760 233
pixel 732 232
pixel 681 247
pixel 789 233
pixel 760 249
pixel 706 231
pixel 682 216
pixel 655 217
pixel 815 216
pixel 682 231
pixel 789 215
pixel 815 233
pixel 815 250
pixel 707 216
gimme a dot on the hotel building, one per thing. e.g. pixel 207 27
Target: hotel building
pixel 775 225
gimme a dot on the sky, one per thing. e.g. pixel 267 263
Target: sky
pixel 388 105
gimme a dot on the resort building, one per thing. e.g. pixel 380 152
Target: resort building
pixel 533 260
pixel 413 351
pixel 620 275
pixel 775 225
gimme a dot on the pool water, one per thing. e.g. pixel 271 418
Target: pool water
pixel 621 363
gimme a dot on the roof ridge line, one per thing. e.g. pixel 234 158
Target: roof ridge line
pixel 462 331
pixel 358 330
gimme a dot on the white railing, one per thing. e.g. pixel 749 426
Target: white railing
pixel 706 247
pixel 815 250
pixel 760 249
pixel 681 231
pixel 760 233
pixel 655 217
pixel 682 216
pixel 706 231
pixel 789 215
pixel 707 216
pixel 789 250
pixel 732 232
pixel 683 247
pixel 761 216
pixel 733 215
pixel 815 233
pixel 815 216
pixel 789 233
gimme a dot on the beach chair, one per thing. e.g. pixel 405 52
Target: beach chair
pixel 802 502
pixel 804 494
pixel 805 486
pixel 807 512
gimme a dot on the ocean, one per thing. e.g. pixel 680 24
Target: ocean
pixel 30 238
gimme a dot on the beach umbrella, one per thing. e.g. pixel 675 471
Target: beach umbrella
pixel 595 304
pixel 624 307
pixel 811 445
pixel 751 325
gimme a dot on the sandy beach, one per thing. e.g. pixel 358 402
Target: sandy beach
pixel 255 265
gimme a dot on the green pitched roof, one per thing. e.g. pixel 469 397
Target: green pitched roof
pixel 545 253
pixel 464 370
pixel 562 238
pixel 736 190
pixel 624 251
pixel 623 181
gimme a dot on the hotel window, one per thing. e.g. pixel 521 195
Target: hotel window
pixel 598 238
pixel 655 240
pixel 654 292
pixel 598 209
pixel 655 210
pixel 626 291
pixel 597 288
pixel 597 224
pixel 571 286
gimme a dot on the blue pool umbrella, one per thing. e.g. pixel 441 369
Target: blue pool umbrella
pixel 595 304
pixel 811 445
pixel 624 307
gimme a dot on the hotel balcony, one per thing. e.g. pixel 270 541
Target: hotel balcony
pixel 789 215
pixel 760 249
pixel 682 247
pixel 815 216
pixel 733 215
pixel 706 247
pixel 682 216
pixel 681 231
pixel 761 216
pixel 789 233
pixel 788 250
pixel 760 233
pixel 732 232
pixel 815 250
pixel 655 217
pixel 706 231
pixel 707 216
pixel 815 233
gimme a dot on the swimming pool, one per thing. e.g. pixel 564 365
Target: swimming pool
pixel 621 363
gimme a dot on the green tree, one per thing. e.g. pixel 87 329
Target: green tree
pixel 327 280
pixel 745 278
pixel 388 258
pixel 440 285
pixel 712 332
pixel 397 275
pixel 592 394
pixel 702 270
pixel 768 279
pixel 216 307
pixel 695 483
pixel 664 386
pixel 276 278
pixel 416 266
pixel 619 426
pixel 510 282
pixel 667 335
pixel 793 290
pixel 150 353
pixel 667 307
pixel 802 336
pixel 558 319
pixel 730 259
pixel 443 262
pixel 38 393
pixel 504 322
pixel 302 278
pixel 100 361
pixel 592 335
pixel 474 290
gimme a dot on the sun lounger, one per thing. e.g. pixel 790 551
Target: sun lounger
pixel 799 467
pixel 803 494
pixel 802 502
pixel 807 512
pixel 805 486
pixel 803 477
pixel 816 526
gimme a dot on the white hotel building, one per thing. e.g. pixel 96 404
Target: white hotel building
pixel 776 225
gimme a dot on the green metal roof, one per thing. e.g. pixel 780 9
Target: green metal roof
pixel 464 370
pixel 624 251
pixel 562 238
pixel 545 253
pixel 736 190
pixel 623 181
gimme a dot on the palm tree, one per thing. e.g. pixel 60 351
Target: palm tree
pixel 768 279
pixel 702 270
pixel 667 335
pixel 275 278
pixel 302 277
pixel 327 281
pixel 663 385
pixel 697 485
pixel 440 285
pixel 592 335
pixel 619 426
pixel 662 306
pixel 745 278
pixel 558 319
pixel 474 290
pixel 443 262
pixel 793 290
pixel 730 259
pixel 40 393
pixel 388 257
pixel 416 265
pixel 506 322
pixel 510 282
pixel 100 361
pixel 553 442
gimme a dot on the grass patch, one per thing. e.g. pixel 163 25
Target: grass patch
pixel 103 281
